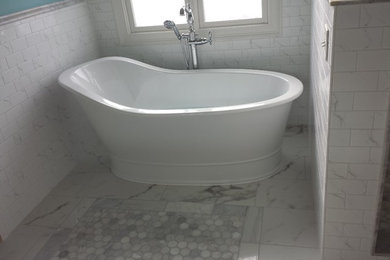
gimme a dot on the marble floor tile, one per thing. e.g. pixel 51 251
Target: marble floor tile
pixel 230 210
pixel 296 136
pixel 292 168
pixel 72 184
pixel 189 194
pixel 243 202
pixel 249 251
pixel 294 152
pixel 39 244
pixel 252 225
pixel 77 213
pixel 143 204
pixel 285 193
pixel 25 242
pixel 109 186
pixel 131 204
pixel 148 192
pixel 289 227
pixel 52 211
pixel 105 203
pixel 50 248
pixel 296 146
pixel 269 252
pixel 190 207
pixel 243 194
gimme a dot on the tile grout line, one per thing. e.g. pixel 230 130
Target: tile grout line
pixel 54 230
pixel 261 226
pixel 261 231
pixel 289 246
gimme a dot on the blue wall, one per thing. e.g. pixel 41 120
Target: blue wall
pixel 13 6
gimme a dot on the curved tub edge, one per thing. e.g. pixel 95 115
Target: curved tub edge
pixel 198 175
pixel 293 93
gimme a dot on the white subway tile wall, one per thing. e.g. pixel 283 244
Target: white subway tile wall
pixel 35 147
pixel 357 129
pixel 288 52
pixel 319 106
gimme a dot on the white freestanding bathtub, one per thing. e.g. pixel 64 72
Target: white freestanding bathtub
pixel 162 126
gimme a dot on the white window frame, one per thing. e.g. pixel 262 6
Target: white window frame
pixel 130 34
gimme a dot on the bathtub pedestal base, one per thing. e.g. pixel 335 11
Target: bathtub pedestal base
pixel 198 174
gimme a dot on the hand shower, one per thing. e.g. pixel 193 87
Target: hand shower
pixel 172 26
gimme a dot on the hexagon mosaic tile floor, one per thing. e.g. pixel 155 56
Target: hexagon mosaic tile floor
pixel 94 215
pixel 119 233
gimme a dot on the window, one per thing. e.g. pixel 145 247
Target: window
pixel 152 13
pixel 142 20
pixel 231 10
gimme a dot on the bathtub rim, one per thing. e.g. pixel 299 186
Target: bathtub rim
pixel 295 89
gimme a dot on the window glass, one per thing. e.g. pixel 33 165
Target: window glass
pixel 155 12
pixel 141 21
pixel 227 10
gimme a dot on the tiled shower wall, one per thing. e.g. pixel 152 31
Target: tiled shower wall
pixel 35 148
pixel 287 52
pixel 358 121
pixel 319 104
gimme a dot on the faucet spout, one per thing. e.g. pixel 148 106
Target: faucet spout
pixel 190 38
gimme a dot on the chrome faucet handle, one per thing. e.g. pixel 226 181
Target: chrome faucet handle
pixel 210 38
